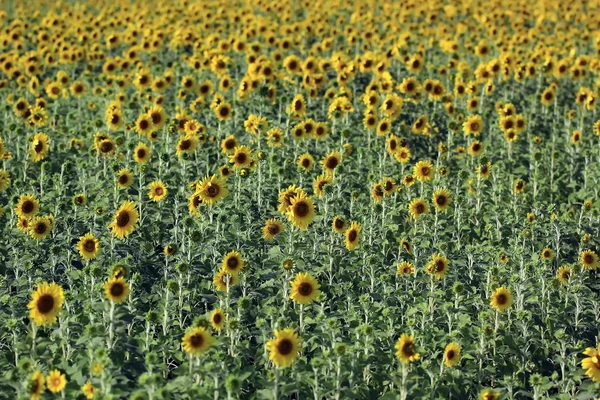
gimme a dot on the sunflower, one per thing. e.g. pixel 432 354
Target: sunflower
pixel 473 126
pixel 417 208
pixel 405 268
pixel 39 147
pixel 519 186
pixel 476 148
pixel 352 236
pixel 306 162
pixel 284 349
pixel 423 171
pixel 88 390
pixel 114 119
pixel 441 199
pixel 564 274
pixel 377 192
pixel 158 116
pixel 211 190
pixel 46 303
pixel 4 180
pixel 197 340
pixel 56 381
pixel 592 363
pixel 588 259
pixel 547 254
pixel 88 246
pixel 502 299
pixel 229 144
pixel 297 108
pixel 187 144
pixel 305 288
pixel 158 191
pixel 452 354
pixel 384 126
pixel 489 395
pixel 286 196
pixel 124 178
pixel 141 153
pixel 338 224
pixel 125 219
pixel 389 186
pixel 223 279
pixel 438 266
pixel 144 124
pixel 272 228
pixel 39 228
pixel 233 263
pixel 116 289
pixel 331 161
pixel 23 224
pixel 406 246
pixel 217 319
pixel 402 155
pixel 36 385
pixel 484 170
pixel 301 212
pixel 241 157
pixel 405 349
pixel 223 111
pixel 320 182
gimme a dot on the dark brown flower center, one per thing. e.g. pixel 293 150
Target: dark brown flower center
pixel 123 219
pixel 40 228
pixel 501 299
pixel 217 318
pixel 273 229
pixel 332 162
pixel 285 347
pixel 301 209
pixel 450 355
pixel 117 289
pixel 212 190
pixel 45 303
pixel 197 340
pixel 352 236
pixel 305 289
pixel 89 245
pixel 27 207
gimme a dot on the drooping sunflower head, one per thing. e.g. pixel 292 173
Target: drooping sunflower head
pixel 125 219
pixel 197 340
pixel 352 236
pixel 452 354
pixel 272 228
pixel 305 288
pixel 406 350
pixel 212 190
pixel 116 289
pixel 46 304
pixel 320 182
pixel 88 246
pixel 233 263
pixel 377 192
pixel 519 186
pixel 301 211
pixel 502 299
pixel 284 349
pixel 406 246
pixel 27 206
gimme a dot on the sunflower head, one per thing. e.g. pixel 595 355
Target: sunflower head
pixel 197 340
pixel 452 354
pixel 217 319
pixel 502 299
pixel 352 236
pixel 305 289
pixel 88 246
pixel 284 348
pixel 46 304
pixel 125 219
pixel 405 349
pixel 233 263
pixel 116 289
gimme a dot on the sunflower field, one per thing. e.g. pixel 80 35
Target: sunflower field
pixel 362 199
